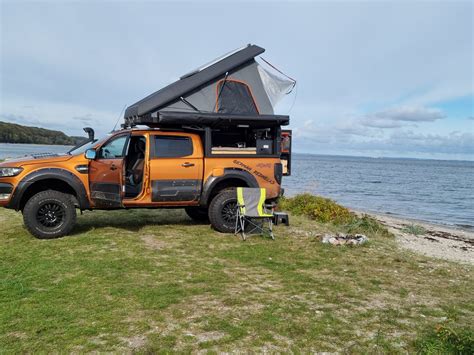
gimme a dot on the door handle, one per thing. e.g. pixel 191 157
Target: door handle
pixel 113 167
pixel 187 165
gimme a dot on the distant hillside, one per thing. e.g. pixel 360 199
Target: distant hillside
pixel 15 133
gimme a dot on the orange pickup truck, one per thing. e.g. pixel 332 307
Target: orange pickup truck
pixel 209 132
pixel 138 168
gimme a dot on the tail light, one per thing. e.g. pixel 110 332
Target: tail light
pixel 278 172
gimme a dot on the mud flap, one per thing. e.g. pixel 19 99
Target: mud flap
pixel 106 195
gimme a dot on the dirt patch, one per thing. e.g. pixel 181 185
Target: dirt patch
pixel 17 335
pixel 135 342
pixel 252 280
pixel 209 336
pixel 153 242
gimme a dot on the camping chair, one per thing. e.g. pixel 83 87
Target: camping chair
pixel 250 207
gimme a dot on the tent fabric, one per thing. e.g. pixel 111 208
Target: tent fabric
pixel 275 86
pixel 232 85
pixel 235 97
pixel 193 81
pixel 205 98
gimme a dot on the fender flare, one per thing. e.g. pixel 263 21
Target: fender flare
pixel 50 173
pixel 229 173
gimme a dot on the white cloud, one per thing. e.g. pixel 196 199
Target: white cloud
pixel 410 114
pixel 398 117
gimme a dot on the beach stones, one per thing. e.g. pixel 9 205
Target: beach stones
pixel 344 239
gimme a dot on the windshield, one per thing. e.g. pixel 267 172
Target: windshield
pixel 88 145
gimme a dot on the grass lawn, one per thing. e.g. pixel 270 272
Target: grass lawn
pixel 149 280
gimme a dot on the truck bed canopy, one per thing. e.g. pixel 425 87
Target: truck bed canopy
pixel 234 84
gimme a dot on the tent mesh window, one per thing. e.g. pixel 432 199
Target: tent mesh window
pixel 235 97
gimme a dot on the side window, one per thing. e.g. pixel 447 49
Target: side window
pixel 113 149
pixel 172 147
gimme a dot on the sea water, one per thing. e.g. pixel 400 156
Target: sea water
pixel 8 150
pixel 439 191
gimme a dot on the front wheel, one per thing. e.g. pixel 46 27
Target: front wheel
pixel 49 214
pixel 223 211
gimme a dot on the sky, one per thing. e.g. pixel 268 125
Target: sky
pixel 375 78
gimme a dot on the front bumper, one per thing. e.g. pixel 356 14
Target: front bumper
pixel 5 193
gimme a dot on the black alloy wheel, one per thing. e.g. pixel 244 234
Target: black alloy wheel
pixel 222 211
pixel 50 215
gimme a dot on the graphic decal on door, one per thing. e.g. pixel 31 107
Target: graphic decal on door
pixel 176 190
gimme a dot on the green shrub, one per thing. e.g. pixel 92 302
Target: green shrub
pixel 414 229
pixel 367 225
pixel 318 208
pixel 325 210
pixel 444 339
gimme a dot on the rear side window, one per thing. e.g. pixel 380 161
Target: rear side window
pixel 172 147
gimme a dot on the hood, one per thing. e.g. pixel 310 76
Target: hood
pixel 35 159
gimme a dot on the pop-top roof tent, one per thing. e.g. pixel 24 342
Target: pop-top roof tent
pixel 231 89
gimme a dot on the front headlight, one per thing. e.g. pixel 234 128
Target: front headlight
pixel 4 172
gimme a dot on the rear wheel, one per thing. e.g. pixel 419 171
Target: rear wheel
pixel 222 211
pixel 198 214
pixel 49 214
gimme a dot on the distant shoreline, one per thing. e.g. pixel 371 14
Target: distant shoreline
pixel 13 133
pixel 377 158
pixel 39 144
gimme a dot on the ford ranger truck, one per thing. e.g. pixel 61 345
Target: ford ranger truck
pixel 144 168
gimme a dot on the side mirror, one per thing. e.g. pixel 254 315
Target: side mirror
pixel 90 154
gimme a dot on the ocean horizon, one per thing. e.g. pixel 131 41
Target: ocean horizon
pixel 431 190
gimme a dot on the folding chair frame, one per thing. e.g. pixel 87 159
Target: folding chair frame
pixel 241 219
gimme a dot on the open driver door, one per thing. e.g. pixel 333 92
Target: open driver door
pixel 106 173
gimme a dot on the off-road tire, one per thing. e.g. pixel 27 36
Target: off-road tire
pixel 198 214
pixel 223 202
pixel 49 214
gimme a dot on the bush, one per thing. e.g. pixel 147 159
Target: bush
pixel 318 208
pixel 367 224
pixel 444 339
pixel 325 210
pixel 414 229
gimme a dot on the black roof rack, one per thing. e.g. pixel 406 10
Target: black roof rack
pixel 192 81
pixel 214 120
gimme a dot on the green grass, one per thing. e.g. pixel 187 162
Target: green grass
pixel 446 339
pixel 414 229
pixel 152 280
